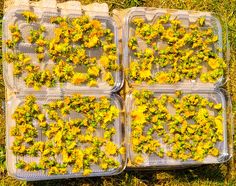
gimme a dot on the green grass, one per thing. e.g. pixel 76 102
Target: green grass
pixel 204 175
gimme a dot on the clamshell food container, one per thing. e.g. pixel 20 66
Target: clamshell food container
pixel 14 16
pixel 152 161
pixel 117 138
pixel 150 16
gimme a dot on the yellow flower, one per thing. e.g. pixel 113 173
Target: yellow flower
pixel 87 172
pixel 218 106
pixel 75 59
pixel 40 56
pixel 190 130
pixel 65 156
pixel 108 117
pixel 41 117
pixel 179 118
pixel 104 165
pixel 110 148
pixel 149 52
pixel 122 150
pixel 214 38
pixel 184 157
pixel 218 122
pixel 213 63
pixel 92 42
pixel 79 78
pixel 155 118
pixel 78 154
pixel 40 42
pixel 76 169
pixel 184 127
pixel 92 83
pixel 207 145
pixel 109 78
pixel 200 150
pixel 220 137
pixel 214 152
pixel 162 78
pixel 115 111
pixel 88 138
pixel 96 24
pixel 153 145
pixel 137 131
pixel 93 71
pixel 169 153
pixel 138 160
pixel 62 170
pixel 134 69
pixel 138 117
pixel 90 129
pixel 29 16
pixel 104 60
pixel 58 137
pixel 135 141
pixel 145 74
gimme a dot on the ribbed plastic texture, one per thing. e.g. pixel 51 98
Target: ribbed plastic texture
pixel 17 84
pixel 117 138
pixel 152 160
pixel 210 91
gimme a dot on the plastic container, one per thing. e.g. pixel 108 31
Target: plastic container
pixel 150 15
pixel 153 161
pixel 13 16
pixel 44 10
pixel 117 138
pixel 207 90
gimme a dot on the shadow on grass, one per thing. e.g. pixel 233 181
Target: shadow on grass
pixel 203 175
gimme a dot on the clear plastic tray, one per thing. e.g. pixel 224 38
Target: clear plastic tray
pixel 13 16
pixel 154 161
pixel 117 138
pixel 150 15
